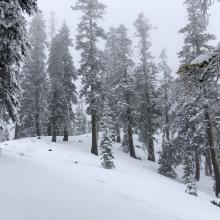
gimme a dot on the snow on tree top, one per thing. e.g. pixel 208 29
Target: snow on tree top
pixel 203 58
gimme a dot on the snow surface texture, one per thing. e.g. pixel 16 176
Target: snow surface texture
pixel 68 183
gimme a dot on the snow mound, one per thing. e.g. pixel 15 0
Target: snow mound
pixel 41 180
pixel 203 58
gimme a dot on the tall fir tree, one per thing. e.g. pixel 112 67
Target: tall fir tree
pixel 165 161
pixel 196 37
pixel 146 70
pixel 113 63
pixel 92 67
pixel 124 87
pixel 63 90
pixel 33 109
pixel 13 48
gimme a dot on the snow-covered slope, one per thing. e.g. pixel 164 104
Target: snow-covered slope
pixel 68 183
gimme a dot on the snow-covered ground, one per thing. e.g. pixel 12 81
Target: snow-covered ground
pixel 68 183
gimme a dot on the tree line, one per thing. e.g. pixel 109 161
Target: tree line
pixel 137 97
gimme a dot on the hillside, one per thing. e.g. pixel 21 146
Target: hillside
pixel 68 183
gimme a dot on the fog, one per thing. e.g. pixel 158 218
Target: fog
pixel 167 16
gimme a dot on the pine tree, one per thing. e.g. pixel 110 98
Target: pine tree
pixel 188 175
pixel 123 86
pixel 148 108
pixel 166 157
pixel 34 85
pixel 89 33
pixel 196 43
pixel 68 78
pixel 106 153
pixel 80 120
pixel 112 68
pixel 63 90
pixel 13 48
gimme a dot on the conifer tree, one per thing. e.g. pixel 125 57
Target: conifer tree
pixel 63 90
pixel 196 37
pixel 196 43
pixel 33 110
pixel 189 174
pixel 112 68
pixel 80 120
pixel 91 68
pixel 165 160
pixel 106 152
pixel 124 86
pixel 13 48
pixel 148 108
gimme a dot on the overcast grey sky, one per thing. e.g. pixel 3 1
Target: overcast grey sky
pixel 167 15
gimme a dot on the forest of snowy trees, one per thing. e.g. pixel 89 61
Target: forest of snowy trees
pixel 120 96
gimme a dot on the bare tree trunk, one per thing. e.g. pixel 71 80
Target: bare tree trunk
pixel 213 152
pixel 131 143
pixel 197 166
pixel 208 163
pixel 16 131
pixel 49 129
pixel 66 135
pixel 38 129
pixel 94 149
pixel 130 134
pixel 150 147
pixel 54 131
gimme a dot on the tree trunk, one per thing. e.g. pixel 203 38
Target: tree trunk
pixel 150 147
pixel 131 143
pixel 54 132
pixel 208 163
pixel 130 133
pixel 49 129
pixel 16 131
pixel 94 149
pixel 213 153
pixel 38 129
pixel 118 138
pixel 197 166
pixel 66 135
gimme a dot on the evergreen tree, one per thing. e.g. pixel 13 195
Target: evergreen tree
pixel 13 48
pixel 63 90
pixel 80 120
pixel 106 153
pixel 91 69
pixel 113 63
pixel 188 175
pixel 33 110
pixel 124 86
pixel 196 41
pixel 148 108
pixel 165 160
